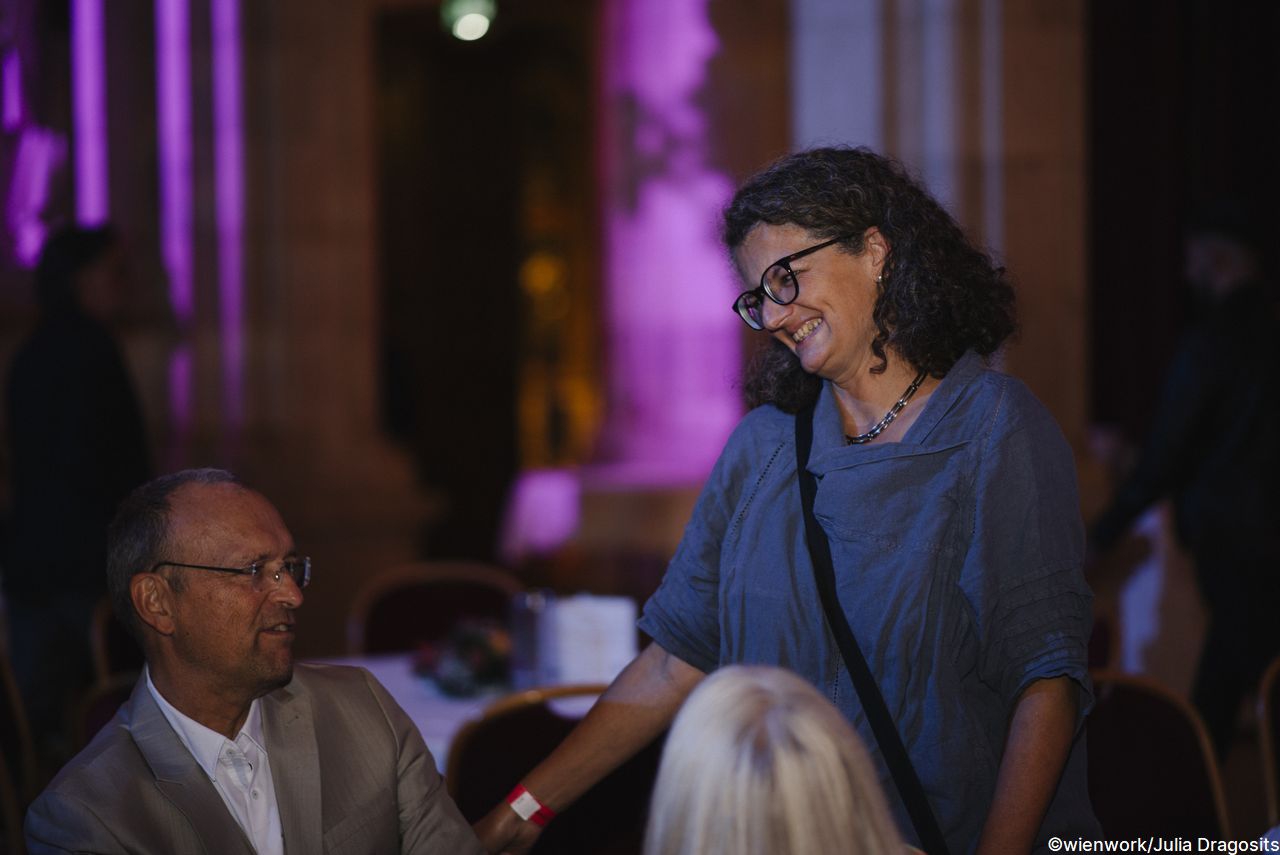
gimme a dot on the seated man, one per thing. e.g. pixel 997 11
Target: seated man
pixel 225 746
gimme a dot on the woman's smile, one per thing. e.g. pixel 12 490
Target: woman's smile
pixel 805 330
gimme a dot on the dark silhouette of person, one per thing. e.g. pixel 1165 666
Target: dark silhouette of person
pixel 77 447
pixel 1215 450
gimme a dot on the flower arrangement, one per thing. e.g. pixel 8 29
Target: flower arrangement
pixel 475 658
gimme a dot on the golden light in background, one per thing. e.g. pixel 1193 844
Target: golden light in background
pixel 543 280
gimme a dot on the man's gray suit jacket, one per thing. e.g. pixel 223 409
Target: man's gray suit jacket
pixel 352 775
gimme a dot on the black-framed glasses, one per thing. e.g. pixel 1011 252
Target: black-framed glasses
pixel 778 283
pixel 298 569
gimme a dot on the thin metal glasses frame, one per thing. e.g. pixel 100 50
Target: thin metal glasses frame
pixel 254 570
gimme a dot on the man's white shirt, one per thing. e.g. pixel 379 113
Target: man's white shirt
pixel 239 770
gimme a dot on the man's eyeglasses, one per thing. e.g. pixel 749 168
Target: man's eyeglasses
pixel 299 569
pixel 778 283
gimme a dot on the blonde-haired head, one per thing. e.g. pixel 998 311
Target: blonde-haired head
pixel 759 763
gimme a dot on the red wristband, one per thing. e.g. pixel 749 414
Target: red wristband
pixel 529 808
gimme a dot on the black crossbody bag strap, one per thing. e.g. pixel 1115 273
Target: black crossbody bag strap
pixel 891 747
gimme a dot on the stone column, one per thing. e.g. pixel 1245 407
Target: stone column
pixel 310 426
pixel 264 175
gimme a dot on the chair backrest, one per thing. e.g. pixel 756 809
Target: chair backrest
pixel 1269 738
pixel 15 734
pixel 492 754
pixel 408 605
pixel 1152 770
pixel 115 651
pixel 1102 641
pixel 99 706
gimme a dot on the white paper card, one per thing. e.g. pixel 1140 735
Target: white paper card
pixel 594 638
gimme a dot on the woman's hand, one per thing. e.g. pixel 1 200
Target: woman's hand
pixel 635 709
pixel 502 831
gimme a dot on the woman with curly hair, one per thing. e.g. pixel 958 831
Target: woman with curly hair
pixel 943 491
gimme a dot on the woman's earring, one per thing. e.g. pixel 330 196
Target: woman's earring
pixel 879 278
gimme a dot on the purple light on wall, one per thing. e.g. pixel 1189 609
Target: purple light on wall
pixel 173 118
pixel 40 154
pixel 181 403
pixel 11 90
pixel 544 510
pixel 228 155
pixel 89 110
pixel 674 343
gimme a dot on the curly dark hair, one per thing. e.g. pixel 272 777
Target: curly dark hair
pixel 940 296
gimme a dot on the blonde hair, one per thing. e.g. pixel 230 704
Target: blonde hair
pixel 759 763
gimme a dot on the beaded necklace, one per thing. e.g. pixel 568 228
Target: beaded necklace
pixel 889 416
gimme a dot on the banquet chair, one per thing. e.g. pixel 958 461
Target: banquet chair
pixel 1269 737
pixel 421 602
pixel 114 650
pixel 1152 770
pixel 1102 639
pixel 494 752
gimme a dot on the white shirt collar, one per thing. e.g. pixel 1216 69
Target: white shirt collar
pixel 204 744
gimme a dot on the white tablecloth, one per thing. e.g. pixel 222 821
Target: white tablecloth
pixel 437 716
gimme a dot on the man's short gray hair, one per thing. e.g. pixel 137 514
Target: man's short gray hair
pixel 140 531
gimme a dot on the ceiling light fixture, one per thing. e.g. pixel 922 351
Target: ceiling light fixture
pixel 468 20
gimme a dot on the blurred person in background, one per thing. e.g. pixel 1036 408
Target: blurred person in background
pixel 77 446
pixel 759 763
pixel 945 491
pixel 1214 449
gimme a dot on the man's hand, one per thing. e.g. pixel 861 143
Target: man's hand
pixel 502 831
